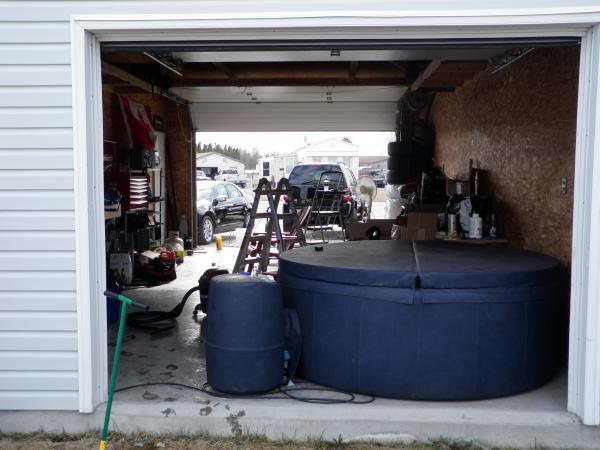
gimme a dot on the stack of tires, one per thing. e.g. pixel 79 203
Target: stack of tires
pixel 406 161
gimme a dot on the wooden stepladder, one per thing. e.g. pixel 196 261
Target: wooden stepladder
pixel 257 248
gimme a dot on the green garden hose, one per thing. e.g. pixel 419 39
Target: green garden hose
pixel 113 378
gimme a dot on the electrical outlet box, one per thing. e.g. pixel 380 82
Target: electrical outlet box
pixel 563 185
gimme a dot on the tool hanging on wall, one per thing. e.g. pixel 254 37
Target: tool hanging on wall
pixel 256 248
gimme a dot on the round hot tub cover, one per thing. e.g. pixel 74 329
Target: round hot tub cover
pixel 424 319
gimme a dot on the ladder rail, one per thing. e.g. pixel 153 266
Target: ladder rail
pixel 272 226
pixel 319 197
pixel 239 262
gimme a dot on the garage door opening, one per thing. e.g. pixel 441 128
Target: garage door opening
pixel 498 120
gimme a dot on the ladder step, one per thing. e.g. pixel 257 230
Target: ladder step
pixel 267 215
pixel 275 192
pixel 325 212
pixel 260 237
pixel 319 227
pixel 264 237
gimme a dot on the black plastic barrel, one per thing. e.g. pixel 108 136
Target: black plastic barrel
pixel 245 335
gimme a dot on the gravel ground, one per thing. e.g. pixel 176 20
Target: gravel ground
pixel 42 441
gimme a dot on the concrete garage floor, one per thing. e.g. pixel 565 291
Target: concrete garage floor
pixel 534 419
pixel 176 355
pixel 531 419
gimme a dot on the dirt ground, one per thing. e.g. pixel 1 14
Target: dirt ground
pixel 42 441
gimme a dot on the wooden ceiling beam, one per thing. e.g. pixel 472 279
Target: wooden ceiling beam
pixel 306 81
pixel 463 66
pixel 226 70
pixel 290 74
pixel 126 58
pixel 110 71
pixel 353 69
pixel 423 76
pixel 447 75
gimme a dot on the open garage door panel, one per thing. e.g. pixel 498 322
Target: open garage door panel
pixel 304 85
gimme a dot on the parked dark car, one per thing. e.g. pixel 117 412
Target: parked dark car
pixel 200 175
pixel 304 179
pixel 221 206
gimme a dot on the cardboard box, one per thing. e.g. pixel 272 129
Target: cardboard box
pixel 418 226
pixel 458 187
pixel 146 257
pixel 415 226
pixel 357 231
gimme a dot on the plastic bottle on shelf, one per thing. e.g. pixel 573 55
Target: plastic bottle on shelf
pixel 475 227
pixel 493 231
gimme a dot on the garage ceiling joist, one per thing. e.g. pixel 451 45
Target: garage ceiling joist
pixel 439 75
pixel 226 70
pixel 370 73
pixel 125 82
pixel 447 75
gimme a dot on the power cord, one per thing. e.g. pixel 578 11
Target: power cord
pixel 287 393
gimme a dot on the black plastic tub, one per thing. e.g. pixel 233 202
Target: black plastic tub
pixel 424 320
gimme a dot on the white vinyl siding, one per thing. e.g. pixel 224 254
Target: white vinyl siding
pixel 39 367
pixel 38 321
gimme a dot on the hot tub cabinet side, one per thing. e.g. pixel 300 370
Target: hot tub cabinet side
pixel 428 321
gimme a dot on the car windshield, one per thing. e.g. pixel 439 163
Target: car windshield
pixel 200 173
pixel 311 173
pixel 203 194
pixel 230 171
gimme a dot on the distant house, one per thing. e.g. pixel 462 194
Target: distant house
pixel 275 167
pixel 212 162
pixel 330 150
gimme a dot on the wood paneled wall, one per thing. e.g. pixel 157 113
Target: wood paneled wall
pixel 519 125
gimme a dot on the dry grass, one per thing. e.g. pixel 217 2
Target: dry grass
pixel 44 441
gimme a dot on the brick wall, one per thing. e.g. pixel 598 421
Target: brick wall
pixel 519 125
pixel 180 166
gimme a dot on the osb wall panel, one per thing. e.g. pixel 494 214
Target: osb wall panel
pixel 180 174
pixel 518 125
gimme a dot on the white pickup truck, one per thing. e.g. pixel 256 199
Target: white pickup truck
pixel 231 174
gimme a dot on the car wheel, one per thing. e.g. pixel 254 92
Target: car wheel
pixel 246 220
pixel 206 230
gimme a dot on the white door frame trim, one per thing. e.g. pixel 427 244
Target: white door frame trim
pixel 88 31
pixel 584 332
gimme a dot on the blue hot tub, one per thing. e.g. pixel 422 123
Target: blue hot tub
pixel 424 319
